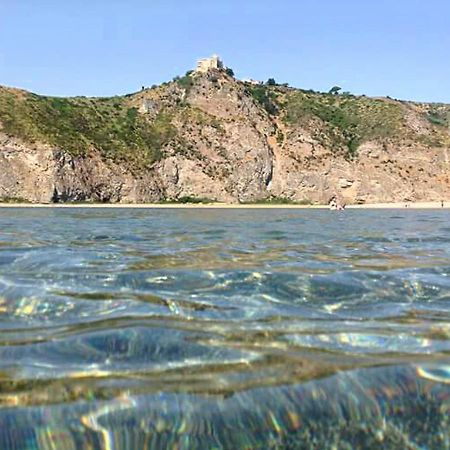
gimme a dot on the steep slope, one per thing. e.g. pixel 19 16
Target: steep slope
pixel 210 136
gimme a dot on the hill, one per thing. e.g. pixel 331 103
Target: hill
pixel 210 136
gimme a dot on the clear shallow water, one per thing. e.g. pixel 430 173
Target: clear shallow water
pixel 129 329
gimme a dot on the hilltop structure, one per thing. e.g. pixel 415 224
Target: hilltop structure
pixel 252 81
pixel 205 64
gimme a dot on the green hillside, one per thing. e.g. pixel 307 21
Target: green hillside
pixel 78 125
pixel 115 128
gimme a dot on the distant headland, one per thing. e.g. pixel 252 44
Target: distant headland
pixel 208 137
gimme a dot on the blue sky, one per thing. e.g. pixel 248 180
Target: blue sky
pixel 399 48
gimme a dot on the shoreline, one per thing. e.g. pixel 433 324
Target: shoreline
pixel 395 205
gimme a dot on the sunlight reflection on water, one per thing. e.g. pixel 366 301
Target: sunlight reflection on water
pixel 224 329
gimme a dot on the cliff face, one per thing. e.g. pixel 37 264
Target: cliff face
pixel 210 136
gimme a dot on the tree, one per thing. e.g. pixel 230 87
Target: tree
pixel 335 90
pixel 229 71
pixel 271 82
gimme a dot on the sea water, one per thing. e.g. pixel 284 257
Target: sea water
pixel 224 329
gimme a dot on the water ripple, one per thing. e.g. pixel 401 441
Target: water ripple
pixel 240 329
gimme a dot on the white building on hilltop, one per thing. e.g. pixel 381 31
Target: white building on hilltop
pixel 252 81
pixel 203 65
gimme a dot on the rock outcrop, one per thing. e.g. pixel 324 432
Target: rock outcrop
pixel 227 141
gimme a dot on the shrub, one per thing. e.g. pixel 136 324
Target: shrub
pixel 13 200
pixel 438 116
pixel 280 137
pixel 195 200
pixel 273 201
pixel 185 82
pixel 334 90
pixel 229 72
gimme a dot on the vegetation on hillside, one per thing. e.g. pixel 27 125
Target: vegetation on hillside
pixel 265 97
pixel 186 82
pixel 230 72
pixel 278 201
pixel 189 200
pixel 439 114
pixel 7 199
pixel 349 121
pixel 113 126
pixel 79 125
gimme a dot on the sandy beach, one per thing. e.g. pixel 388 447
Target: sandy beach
pixel 398 205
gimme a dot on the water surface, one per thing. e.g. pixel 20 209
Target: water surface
pixel 227 329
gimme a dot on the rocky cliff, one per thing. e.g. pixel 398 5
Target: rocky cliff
pixel 209 136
